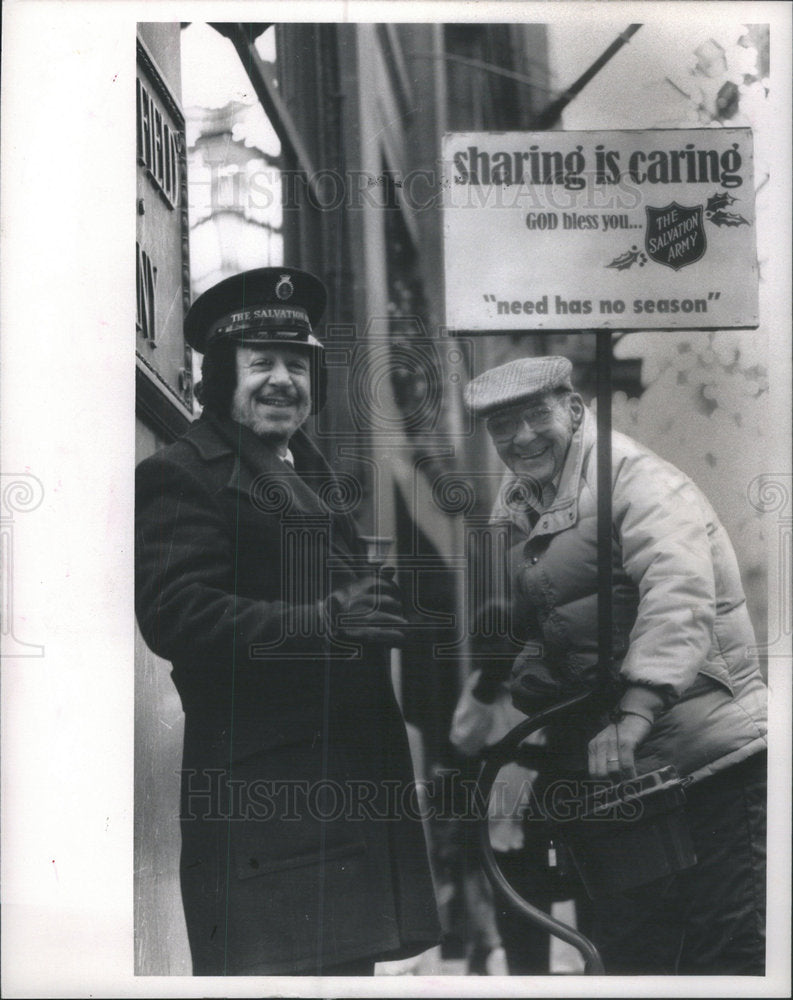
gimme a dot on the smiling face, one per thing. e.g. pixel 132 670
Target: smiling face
pixel 532 438
pixel 273 393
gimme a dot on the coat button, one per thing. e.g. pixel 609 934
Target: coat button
pixel 534 560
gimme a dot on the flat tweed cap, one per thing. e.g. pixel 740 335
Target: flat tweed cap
pixel 515 382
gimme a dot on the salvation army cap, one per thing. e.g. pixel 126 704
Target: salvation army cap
pixel 268 305
pixel 515 382
pixel 275 306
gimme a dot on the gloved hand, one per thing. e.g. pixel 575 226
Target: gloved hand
pixel 488 685
pixel 367 610
pixel 533 684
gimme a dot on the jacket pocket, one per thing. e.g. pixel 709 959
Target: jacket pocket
pixel 722 651
pixel 252 861
pixel 718 672
pixel 298 811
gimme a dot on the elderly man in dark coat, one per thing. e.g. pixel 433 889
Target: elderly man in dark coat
pixel 303 850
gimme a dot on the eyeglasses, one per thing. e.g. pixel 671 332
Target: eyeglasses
pixel 504 426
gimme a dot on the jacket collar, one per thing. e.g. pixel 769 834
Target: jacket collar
pixel 202 435
pixel 563 510
pixel 215 438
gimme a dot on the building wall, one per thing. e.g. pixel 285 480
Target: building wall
pixel 160 936
pixel 163 410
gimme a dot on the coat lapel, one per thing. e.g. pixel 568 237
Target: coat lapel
pixel 257 472
pixel 270 484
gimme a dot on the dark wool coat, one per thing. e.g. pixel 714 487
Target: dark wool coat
pixel 301 841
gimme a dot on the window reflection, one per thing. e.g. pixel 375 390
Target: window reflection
pixel 234 161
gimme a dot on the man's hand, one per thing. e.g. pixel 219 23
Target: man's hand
pixel 368 610
pixel 611 752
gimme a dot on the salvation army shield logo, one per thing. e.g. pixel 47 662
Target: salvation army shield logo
pixel 675 235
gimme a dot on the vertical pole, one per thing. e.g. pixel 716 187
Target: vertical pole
pixel 603 365
pixel 551 114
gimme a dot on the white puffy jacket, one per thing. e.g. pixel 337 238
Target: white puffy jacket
pixel 681 624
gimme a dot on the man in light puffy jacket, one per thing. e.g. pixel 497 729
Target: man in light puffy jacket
pixel 687 688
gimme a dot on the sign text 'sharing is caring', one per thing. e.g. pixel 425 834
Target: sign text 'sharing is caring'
pixel 576 230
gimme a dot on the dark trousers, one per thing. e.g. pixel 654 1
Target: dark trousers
pixel 528 946
pixel 708 919
pixel 358 967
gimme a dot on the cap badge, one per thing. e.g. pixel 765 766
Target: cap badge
pixel 284 289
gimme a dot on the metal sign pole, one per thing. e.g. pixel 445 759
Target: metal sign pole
pixel 605 569
pixel 551 114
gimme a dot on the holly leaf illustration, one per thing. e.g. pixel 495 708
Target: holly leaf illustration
pixel 627 259
pixel 718 201
pixel 731 219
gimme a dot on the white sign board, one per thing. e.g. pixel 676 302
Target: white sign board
pixel 579 230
